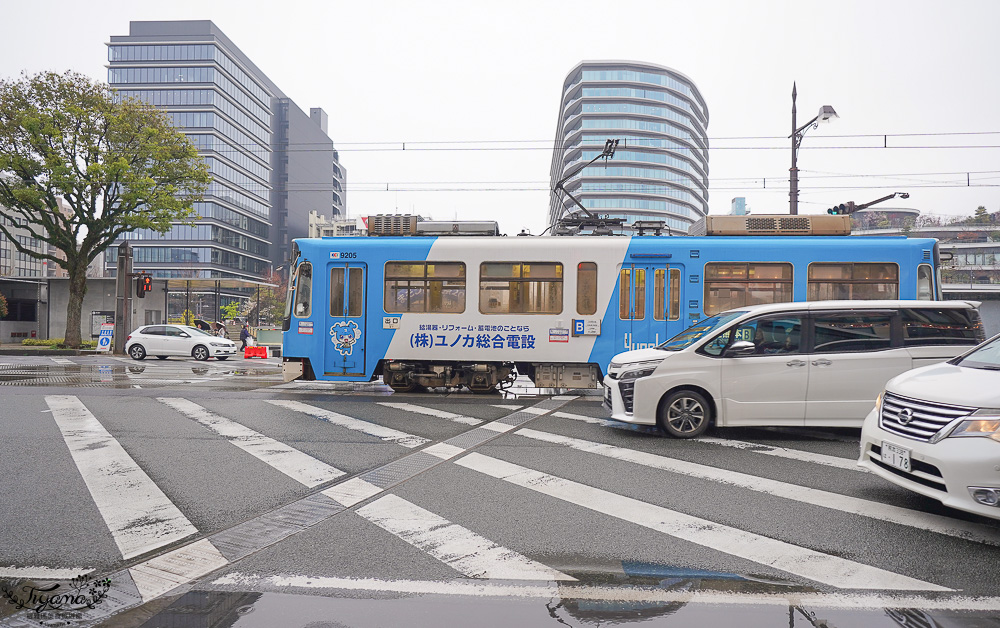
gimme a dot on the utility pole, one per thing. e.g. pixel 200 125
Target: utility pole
pixel 123 304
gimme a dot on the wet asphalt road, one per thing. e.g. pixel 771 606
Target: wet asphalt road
pixel 531 498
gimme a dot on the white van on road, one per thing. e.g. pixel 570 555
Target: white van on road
pixel 818 363
pixel 936 431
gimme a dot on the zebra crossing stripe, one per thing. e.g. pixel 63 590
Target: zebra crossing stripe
pixel 803 562
pixel 138 515
pixel 372 429
pixel 164 573
pixel 459 548
pixel 815 497
pixel 441 414
pixel 297 465
pixel 352 492
pixel 62 361
pixel 779 452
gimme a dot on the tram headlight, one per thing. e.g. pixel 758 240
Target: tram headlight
pixel 638 370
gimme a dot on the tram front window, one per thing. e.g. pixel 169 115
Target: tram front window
pixel 303 291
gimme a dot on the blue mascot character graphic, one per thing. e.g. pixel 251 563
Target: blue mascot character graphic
pixel 344 334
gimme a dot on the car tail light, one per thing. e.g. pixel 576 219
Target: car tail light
pixel 128 337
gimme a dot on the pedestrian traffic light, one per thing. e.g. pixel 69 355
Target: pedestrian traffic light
pixel 843 209
pixel 143 284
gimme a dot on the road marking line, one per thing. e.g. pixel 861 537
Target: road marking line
pixel 372 429
pixel 138 514
pixel 815 497
pixel 43 573
pixel 800 561
pixel 459 548
pixel 505 406
pixel 296 464
pixel 790 454
pixel 441 414
pixel 352 492
pixel 62 361
pixel 779 452
pixel 497 427
pixel 856 601
pixel 444 450
pixel 159 575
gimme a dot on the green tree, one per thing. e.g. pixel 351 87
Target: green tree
pixel 3 306
pixel 981 217
pixel 118 164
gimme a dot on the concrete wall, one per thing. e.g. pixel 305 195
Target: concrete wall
pixel 101 298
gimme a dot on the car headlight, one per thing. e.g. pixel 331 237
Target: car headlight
pixel 220 344
pixel 878 404
pixel 639 370
pixel 986 425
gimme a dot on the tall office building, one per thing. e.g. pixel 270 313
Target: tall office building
pixel 660 168
pixel 270 162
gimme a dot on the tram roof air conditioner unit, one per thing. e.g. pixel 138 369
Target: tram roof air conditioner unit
pixel 771 224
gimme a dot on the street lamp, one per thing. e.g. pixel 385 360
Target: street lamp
pixel 826 113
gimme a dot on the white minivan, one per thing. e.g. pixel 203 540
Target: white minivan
pixel 818 363
pixel 936 431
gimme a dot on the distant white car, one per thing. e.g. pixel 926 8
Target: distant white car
pixel 935 430
pixel 166 340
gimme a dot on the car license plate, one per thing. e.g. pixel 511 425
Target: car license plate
pixel 896 456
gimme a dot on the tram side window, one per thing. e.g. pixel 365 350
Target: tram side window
pixel 730 285
pixel 586 288
pixel 303 291
pixel 853 281
pixel 437 287
pixel 520 287
pixel 925 283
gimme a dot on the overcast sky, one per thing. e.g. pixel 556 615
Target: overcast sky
pixel 480 83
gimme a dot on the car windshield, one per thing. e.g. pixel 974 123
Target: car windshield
pixel 986 356
pixel 195 330
pixel 699 330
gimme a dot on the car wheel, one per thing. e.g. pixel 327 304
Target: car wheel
pixel 161 357
pixel 222 357
pixel 138 352
pixel 685 414
pixel 200 353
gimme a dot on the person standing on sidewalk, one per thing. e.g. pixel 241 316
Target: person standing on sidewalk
pixel 244 335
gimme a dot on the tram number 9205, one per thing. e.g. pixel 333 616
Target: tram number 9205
pixel 343 255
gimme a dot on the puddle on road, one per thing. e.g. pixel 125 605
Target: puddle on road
pixel 709 602
pixel 123 376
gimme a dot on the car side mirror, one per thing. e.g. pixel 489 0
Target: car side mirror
pixel 184 335
pixel 740 348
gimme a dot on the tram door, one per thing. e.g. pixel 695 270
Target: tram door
pixel 648 297
pixel 345 355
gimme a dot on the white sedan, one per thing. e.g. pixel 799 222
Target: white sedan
pixel 166 340
pixel 935 430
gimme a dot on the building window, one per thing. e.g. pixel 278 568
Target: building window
pixel 586 288
pixel 853 281
pixel 425 287
pixel 730 285
pixel 520 288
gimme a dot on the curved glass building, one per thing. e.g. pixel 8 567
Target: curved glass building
pixel 660 168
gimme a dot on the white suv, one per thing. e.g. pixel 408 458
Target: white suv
pixel 815 363
pixel 936 431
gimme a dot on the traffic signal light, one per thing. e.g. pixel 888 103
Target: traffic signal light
pixel 143 284
pixel 843 209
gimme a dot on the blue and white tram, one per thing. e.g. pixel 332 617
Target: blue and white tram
pixel 467 311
